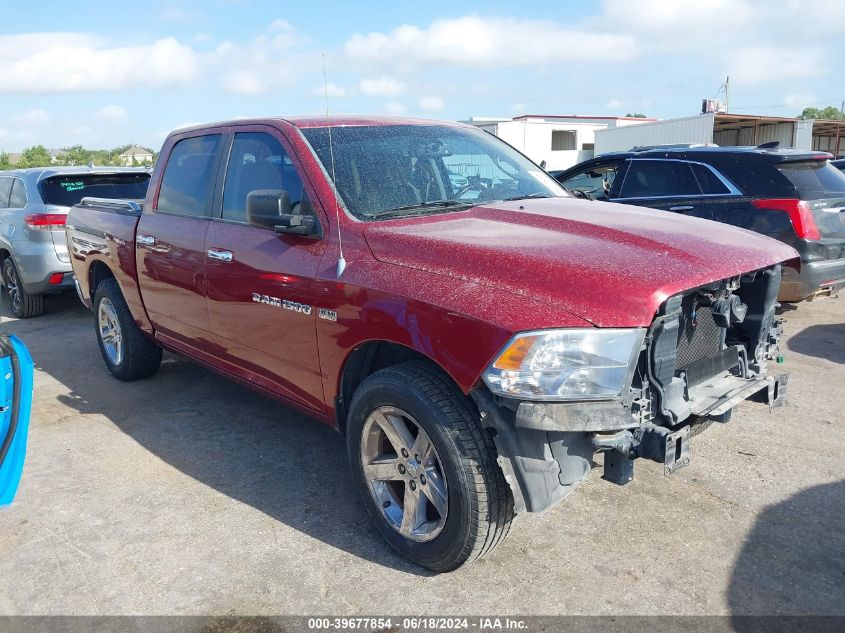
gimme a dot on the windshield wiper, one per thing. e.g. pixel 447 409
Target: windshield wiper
pixel 536 194
pixel 419 206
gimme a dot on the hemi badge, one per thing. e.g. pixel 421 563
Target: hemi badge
pixel 328 315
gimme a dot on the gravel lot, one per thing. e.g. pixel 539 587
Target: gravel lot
pixel 187 494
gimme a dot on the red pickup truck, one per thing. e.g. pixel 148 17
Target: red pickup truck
pixel 478 335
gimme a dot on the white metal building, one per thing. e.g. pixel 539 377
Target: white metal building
pixel 727 129
pixel 561 141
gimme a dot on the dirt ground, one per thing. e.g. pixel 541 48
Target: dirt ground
pixel 187 494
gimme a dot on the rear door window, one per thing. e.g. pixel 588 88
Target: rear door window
pixel 814 179
pixel 659 179
pixel 69 189
pixel 5 191
pixel 18 198
pixel 187 186
pixel 708 181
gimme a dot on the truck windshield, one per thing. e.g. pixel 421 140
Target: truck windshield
pixel 68 190
pixel 387 170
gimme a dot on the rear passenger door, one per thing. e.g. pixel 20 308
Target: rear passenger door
pixel 170 240
pixel 659 183
pixel 262 299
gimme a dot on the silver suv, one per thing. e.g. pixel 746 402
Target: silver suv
pixel 33 207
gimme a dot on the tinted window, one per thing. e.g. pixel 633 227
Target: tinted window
pixel 708 181
pixel 5 190
pixel 658 178
pixel 18 198
pixel 258 161
pixel 814 179
pixel 188 182
pixel 68 190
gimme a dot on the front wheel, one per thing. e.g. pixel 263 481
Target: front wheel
pixel 128 354
pixel 425 467
pixel 23 304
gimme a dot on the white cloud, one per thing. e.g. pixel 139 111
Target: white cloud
pixel 112 113
pixel 333 90
pixel 392 107
pixel 799 100
pixel 382 87
pixel 32 117
pixel 762 64
pixel 477 41
pixel 75 62
pixel 243 83
pixel 431 104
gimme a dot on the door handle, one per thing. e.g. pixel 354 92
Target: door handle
pixel 220 255
pixel 683 207
pixel 145 240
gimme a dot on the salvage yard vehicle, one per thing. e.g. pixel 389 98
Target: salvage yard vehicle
pixel 33 206
pixel 477 345
pixel 794 196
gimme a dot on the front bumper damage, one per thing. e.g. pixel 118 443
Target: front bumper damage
pixel 546 449
pixel 691 370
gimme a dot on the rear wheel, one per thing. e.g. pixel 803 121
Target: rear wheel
pixel 426 468
pixel 23 304
pixel 129 355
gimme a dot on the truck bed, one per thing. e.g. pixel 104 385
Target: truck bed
pixel 101 243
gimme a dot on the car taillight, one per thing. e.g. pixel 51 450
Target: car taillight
pixel 45 221
pixel 799 213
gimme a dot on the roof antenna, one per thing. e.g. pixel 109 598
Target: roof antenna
pixel 341 262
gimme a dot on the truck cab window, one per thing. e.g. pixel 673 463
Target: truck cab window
pixel 188 181
pixel 258 161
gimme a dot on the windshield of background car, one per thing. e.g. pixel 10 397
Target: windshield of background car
pixel 69 190
pixel 392 167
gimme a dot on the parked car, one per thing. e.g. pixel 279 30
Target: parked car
pixel 839 164
pixel 794 196
pixel 33 206
pixel 476 348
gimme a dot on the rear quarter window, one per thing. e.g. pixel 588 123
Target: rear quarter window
pixel 5 191
pixel 17 200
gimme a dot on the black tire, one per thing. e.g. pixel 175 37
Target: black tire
pixel 140 357
pixel 23 304
pixel 480 503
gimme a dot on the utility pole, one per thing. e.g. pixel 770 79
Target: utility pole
pixel 727 94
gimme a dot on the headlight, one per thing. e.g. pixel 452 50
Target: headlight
pixel 582 364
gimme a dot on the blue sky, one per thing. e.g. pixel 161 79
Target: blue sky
pixel 84 73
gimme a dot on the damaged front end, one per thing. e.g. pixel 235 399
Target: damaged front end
pixel 706 350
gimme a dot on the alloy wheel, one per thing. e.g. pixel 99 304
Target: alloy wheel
pixel 404 474
pixel 110 333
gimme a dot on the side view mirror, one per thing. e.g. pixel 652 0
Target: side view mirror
pixel 543 165
pixel 271 209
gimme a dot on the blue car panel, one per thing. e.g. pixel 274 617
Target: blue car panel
pixel 16 370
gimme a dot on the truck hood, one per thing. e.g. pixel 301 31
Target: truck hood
pixel 609 264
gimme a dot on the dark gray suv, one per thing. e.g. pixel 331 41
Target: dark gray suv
pixel 33 206
pixel 795 196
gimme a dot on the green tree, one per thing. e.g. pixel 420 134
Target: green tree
pixel 830 113
pixel 636 115
pixel 5 162
pixel 35 156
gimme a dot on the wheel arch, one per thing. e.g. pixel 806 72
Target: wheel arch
pixel 368 357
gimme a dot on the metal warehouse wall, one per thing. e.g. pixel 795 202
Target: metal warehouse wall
pixel 694 129
pixel 784 133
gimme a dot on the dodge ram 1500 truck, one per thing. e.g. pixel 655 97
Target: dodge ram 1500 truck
pixel 479 341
